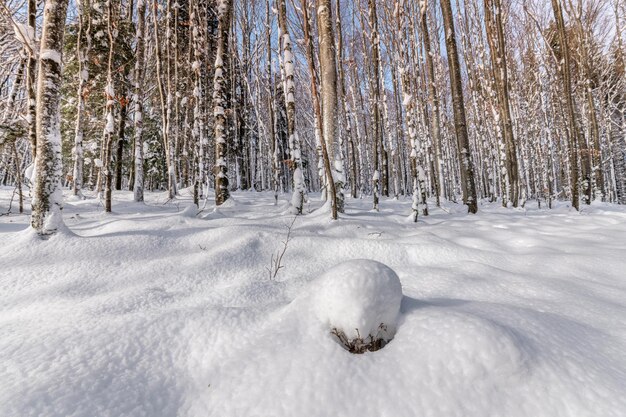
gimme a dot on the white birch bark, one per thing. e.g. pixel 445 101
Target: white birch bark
pixel 138 187
pixel 83 77
pixel 289 87
pixel 222 193
pixel 47 201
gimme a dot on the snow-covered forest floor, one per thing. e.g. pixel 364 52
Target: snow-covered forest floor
pixel 156 311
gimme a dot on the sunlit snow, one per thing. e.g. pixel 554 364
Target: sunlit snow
pixel 158 310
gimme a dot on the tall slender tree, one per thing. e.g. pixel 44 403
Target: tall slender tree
pixel 495 36
pixel 573 132
pixel 328 70
pixel 289 87
pixel 433 101
pixel 317 107
pixel 47 201
pixel 220 103
pixel 30 79
pixel 138 97
pixel 82 51
pixel 109 127
pixel 458 105
pixel 376 101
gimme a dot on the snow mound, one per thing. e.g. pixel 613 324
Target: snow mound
pixel 189 211
pixel 465 345
pixel 359 298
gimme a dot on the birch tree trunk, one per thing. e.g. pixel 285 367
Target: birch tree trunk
pixel 408 101
pixel 83 76
pixel 138 186
pixel 165 120
pixel 171 136
pixel 109 128
pixel 30 80
pixel 317 107
pixel 617 119
pixel 222 193
pixel 289 86
pixel 344 102
pixel 198 128
pixel 271 105
pixel 47 201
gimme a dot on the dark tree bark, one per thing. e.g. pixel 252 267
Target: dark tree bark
pixel 433 101
pixel 120 146
pixel 328 72
pixel 138 101
pixel 458 105
pixel 222 192
pixel 376 87
pixel 574 133
pixel 498 58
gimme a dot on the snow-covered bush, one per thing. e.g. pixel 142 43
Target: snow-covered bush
pixel 360 301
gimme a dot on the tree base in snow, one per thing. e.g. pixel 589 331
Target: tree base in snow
pixel 358 345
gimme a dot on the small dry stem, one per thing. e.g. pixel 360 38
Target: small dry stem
pixel 276 262
pixel 358 345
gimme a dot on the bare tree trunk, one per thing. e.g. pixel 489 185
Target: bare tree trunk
pixel 222 192
pixel 617 119
pixel 433 101
pixel 567 88
pixel 376 87
pixel 15 89
pixel 408 102
pixel 47 199
pixel 465 157
pixel 499 63
pixel 30 81
pixel 175 146
pixel 328 70
pixel 344 101
pixel 83 77
pixel 198 128
pixel 162 99
pixel 120 144
pixel 170 144
pixel 360 180
pixel 272 108
pixel 325 159
pixel 596 160
pixel 18 177
pixel 109 128
pixel 289 86
pixel 591 158
pixel 138 186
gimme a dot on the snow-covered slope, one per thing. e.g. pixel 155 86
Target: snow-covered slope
pixel 154 311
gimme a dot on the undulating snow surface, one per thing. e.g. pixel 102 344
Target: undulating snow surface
pixel 156 311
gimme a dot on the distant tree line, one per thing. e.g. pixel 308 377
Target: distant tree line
pixel 508 101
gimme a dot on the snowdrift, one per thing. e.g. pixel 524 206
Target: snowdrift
pixel 153 311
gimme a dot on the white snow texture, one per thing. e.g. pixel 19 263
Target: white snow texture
pixel 155 311
pixel 357 296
